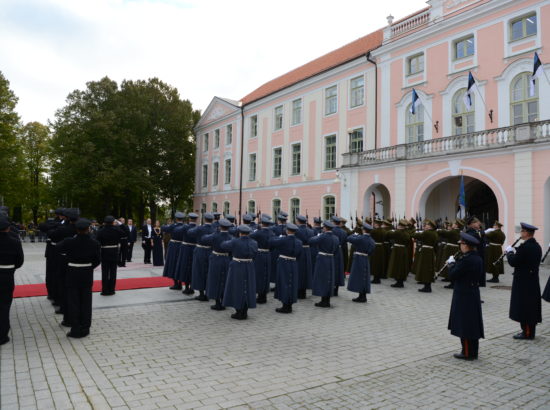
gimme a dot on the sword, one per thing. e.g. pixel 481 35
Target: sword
pixel 504 253
pixel 545 255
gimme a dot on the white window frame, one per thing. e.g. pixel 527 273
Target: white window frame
pixel 292 213
pixel 226 174
pixel 278 118
pixel 324 206
pixel 226 208
pixel 205 142
pixel 523 19
pixel 329 98
pixel 273 162
pixel 252 166
pixel 273 207
pixel 297 111
pixel 248 207
pixel 352 140
pixel 228 134
pixel 204 175
pixel 409 65
pixel 325 146
pixel 353 90
pixel 293 171
pixel 215 173
pixel 254 126
pixel 214 207
pixel 456 42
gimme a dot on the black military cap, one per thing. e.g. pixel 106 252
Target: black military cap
pixel 4 223
pixel 192 215
pixel 216 214
pixel 367 226
pixel 282 216
pixel 72 214
pixel 328 224
pixel 230 218
pixel 179 215
pixel 58 211
pixel 291 227
pixel 208 216
pixel 82 224
pixel 109 219
pixel 528 227
pixel 244 229
pixel 265 219
pixel 247 218
pixel 468 239
pixel 301 218
pixel 317 220
pixel 225 223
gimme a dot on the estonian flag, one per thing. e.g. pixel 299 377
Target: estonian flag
pixel 468 95
pixel 415 102
pixel 537 72
pixel 462 199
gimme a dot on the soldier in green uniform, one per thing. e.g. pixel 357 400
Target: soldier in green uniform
pixel 378 258
pixel 387 226
pixel 411 228
pixel 495 238
pixel 451 238
pixel 397 267
pixel 424 271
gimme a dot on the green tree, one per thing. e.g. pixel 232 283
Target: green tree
pixel 34 141
pixel 9 150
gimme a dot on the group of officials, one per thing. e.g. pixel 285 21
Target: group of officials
pixel 236 265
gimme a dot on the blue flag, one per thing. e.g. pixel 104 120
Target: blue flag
pixel 537 72
pixel 462 198
pixel 415 102
pixel 468 95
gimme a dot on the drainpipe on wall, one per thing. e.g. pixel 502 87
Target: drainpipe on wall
pixel 375 99
pixel 241 171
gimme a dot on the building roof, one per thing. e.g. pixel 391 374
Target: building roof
pixel 333 59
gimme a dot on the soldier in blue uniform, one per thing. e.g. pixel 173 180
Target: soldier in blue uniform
pixel 233 229
pixel 218 264
pixel 240 288
pixel 465 318
pixel 305 264
pixel 278 229
pixel 262 260
pixel 324 274
pixel 474 229
pixel 11 258
pixel 201 256
pixel 184 266
pixel 359 278
pixel 174 246
pixel 216 222
pixel 289 248
pixel 525 302
pixel 83 255
pixel 317 229
pixel 109 239
pixel 50 253
pixel 340 278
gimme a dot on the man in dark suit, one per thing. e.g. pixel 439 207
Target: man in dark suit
pixel 525 304
pixel 146 238
pixel 132 238
pixel 123 251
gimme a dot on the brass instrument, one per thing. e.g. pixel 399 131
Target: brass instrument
pixel 504 253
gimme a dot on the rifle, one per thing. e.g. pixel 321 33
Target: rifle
pixel 504 253
pixel 456 256
pixel 545 255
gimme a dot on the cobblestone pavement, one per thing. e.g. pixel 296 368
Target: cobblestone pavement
pixel 156 348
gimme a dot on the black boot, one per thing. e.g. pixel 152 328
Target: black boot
pixel 335 293
pixel 261 299
pixel 188 290
pixel 427 288
pixel 376 280
pixel 449 286
pixel 301 293
pixel 324 303
pixel 362 298
pixel 494 279
pixel 286 308
pixel 218 305
pixel 397 284
pixel 176 285
pixel 202 297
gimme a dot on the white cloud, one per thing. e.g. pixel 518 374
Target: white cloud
pixel 204 48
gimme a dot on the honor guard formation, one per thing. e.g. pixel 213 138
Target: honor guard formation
pixel 239 265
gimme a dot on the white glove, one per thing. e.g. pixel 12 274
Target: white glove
pixel 356 234
pixel 280 236
pixel 510 249
pixel 319 234
pixel 489 230
pixel 451 260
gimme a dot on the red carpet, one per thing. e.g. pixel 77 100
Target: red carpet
pixel 39 289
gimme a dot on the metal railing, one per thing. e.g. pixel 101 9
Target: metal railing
pixel 473 142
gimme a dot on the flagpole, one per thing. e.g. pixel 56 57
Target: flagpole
pixel 479 92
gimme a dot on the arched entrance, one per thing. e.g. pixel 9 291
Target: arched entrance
pixel 377 201
pixel 440 200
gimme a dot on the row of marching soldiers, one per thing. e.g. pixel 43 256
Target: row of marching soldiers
pixel 235 265
pixel 403 250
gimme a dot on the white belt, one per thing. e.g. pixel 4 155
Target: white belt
pixel 79 265
pixel 263 250
pixel 427 246
pixel 173 240
pixel 242 260
pixel 219 253
pixel 305 246
pixel 360 253
pixel 379 243
pixel 495 244
pixel 325 254
pixel 399 245
pixel 289 258
pixel 53 243
pixel 7 266
pixel 203 246
pixel 189 243
pixel 452 244
pixel 110 246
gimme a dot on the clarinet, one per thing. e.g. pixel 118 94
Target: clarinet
pixel 504 253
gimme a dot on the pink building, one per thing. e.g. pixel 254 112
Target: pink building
pixel 337 135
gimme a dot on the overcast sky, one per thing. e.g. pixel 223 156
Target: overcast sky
pixel 205 48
